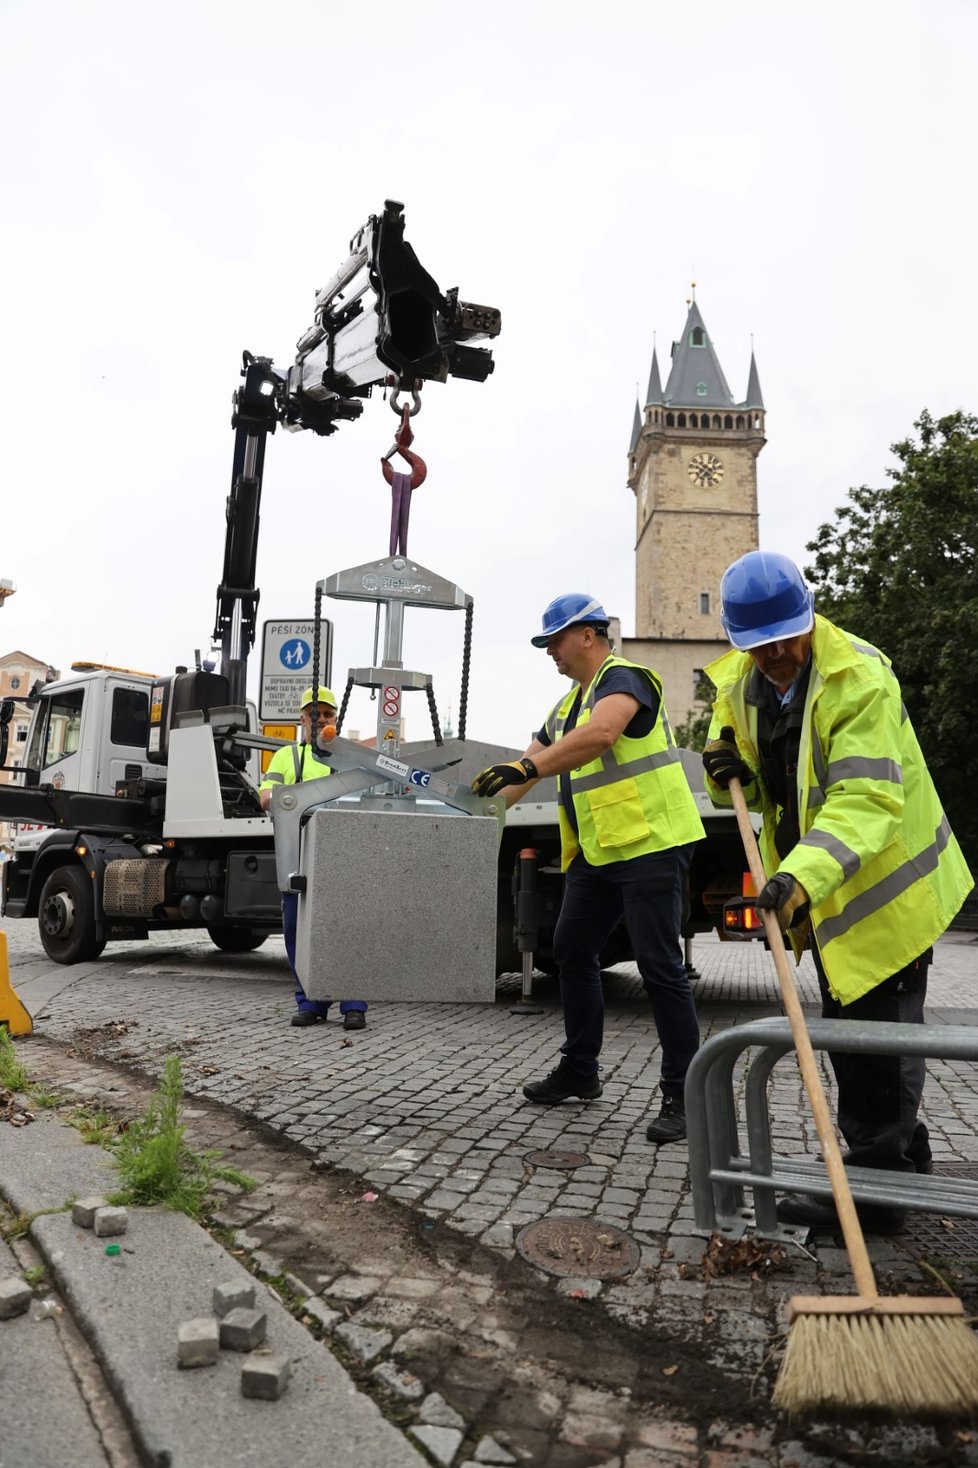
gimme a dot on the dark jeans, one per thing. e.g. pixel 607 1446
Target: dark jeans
pixel 649 891
pixel 290 909
pixel 879 1095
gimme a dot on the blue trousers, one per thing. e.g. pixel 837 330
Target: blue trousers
pixel 290 909
pixel 648 890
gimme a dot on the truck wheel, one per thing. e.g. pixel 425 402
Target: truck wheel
pixel 66 916
pixel 235 940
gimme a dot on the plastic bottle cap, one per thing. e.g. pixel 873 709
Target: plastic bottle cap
pixel 113 1249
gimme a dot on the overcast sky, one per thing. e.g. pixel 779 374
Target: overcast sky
pixel 177 181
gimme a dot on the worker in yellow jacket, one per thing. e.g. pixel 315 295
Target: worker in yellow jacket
pixel 289 766
pixel 862 862
pixel 627 824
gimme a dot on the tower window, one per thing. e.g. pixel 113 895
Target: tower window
pixel 693 421
pixel 740 420
pixel 701 389
pixel 681 421
pixel 728 420
pixel 705 603
pixel 697 337
pixel 716 420
pixel 670 420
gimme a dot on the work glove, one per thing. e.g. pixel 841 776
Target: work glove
pixel 786 898
pixel 514 772
pixel 722 759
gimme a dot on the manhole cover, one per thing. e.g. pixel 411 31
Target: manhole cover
pixel 578 1246
pixel 941 1235
pixel 554 1158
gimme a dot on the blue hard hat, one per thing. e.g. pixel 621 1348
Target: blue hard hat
pixel 567 611
pixel 764 598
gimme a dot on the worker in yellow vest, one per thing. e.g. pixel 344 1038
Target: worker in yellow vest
pixel 627 824
pixel 863 865
pixel 288 765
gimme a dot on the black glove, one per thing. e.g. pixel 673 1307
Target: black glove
pixel 722 759
pixel 786 898
pixel 514 772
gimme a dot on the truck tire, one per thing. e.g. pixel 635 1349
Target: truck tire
pixel 66 916
pixel 234 940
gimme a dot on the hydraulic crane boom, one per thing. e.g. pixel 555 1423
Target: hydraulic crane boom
pixel 380 319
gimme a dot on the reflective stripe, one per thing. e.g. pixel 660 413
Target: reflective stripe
pixel 889 888
pixel 816 797
pixel 860 767
pixel 613 772
pixel 818 763
pixel 667 728
pixel 271 778
pixel 848 859
pixel 873 652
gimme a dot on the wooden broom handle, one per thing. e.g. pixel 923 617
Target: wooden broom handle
pixel 845 1207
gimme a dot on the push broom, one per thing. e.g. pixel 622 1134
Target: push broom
pixel 896 1353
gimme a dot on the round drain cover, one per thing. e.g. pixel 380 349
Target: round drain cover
pixel 578 1246
pixel 554 1158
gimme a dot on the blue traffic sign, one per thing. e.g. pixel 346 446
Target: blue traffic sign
pixel 294 654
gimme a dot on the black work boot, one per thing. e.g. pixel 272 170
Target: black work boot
pixel 560 1085
pixel 304 1017
pixel 670 1124
pixel 820 1214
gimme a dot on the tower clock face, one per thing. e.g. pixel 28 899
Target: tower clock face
pixel 705 470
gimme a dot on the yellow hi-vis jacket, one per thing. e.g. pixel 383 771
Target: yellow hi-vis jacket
pixel 292 763
pixel 877 856
pixel 634 798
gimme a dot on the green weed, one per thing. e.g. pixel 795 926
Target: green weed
pixel 156 1165
pixel 97 1127
pixel 33 1275
pixel 14 1226
pixel 13 1076
pixel 17 1225
pixel 44 1100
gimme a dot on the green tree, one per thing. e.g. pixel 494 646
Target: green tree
pixel 692 734
pixel 899 567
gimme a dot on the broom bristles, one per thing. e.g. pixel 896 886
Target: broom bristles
pixel 899 1363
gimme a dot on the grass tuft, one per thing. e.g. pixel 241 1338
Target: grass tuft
pixel 13 1076
pixel 96 1126
pixel 156 1165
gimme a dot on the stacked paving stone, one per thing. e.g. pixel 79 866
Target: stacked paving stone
pixel 236 1325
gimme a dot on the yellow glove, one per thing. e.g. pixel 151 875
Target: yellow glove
pixel 513 772
pixel 786 898
pixel 722 758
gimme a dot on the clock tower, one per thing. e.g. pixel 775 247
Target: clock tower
pixel 692 466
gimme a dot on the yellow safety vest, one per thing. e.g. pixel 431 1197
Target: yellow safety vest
pixel 634 798
pixel 291 763
pixel 877 856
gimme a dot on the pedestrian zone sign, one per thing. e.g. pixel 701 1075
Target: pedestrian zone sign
pixel 286 666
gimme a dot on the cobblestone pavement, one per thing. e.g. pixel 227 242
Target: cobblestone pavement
pixel 425 1106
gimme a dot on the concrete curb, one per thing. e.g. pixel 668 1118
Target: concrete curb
pixel 130 1306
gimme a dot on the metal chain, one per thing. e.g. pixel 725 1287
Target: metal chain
pixel 346 699
pixel 466 662
pixel 315 658
pixel 430 690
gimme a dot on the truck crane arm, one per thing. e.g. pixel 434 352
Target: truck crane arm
pixel 381 318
